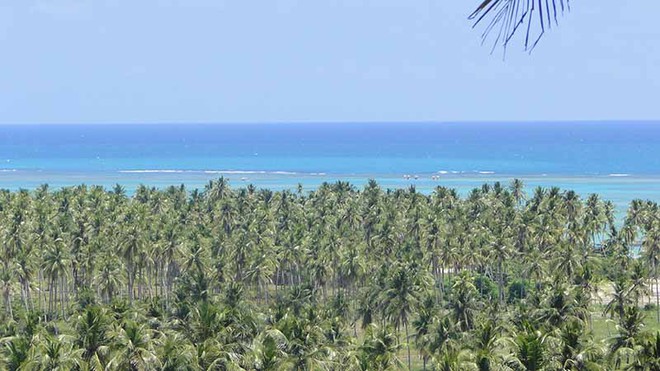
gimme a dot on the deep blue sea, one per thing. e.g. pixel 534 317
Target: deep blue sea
pixel 619 160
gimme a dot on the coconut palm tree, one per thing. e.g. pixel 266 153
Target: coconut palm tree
pixel 109 278
pixel 624 347
pixel 578 352
pixel 455 359
pixel 651 256
pixel 305 346
pixel 518 191
pixel 92 338
pixel 620 298
pixel 176 353
pixel 132 244
pixel 426 316
pixel 649 355
pixel 486 350
pixel 15 353
pixel 463 302
pixel 6 283
pixel 267 352
pixel 444 336
pixel 379 349
pixel 132 348
pixel 56 262
pixel 403 292
pixel 55 353
pixel 530 350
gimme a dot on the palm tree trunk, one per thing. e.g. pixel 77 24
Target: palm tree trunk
pixel 163 288
pixel 62 295
pixel 39 293
pixel 24 295
pixel 405 325
pixel 53 297
pixel 277 278
pixel 150 283
pixel 28 293
pixel 50 298
pixel 442 280
pixel 500 280
pixel 7 299
pixel 657 298
pixel 139 283
pixel 266 294
pixel 131 281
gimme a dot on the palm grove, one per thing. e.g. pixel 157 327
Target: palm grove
pixel 336 278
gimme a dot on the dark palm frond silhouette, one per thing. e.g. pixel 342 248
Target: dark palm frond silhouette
pixel 504 18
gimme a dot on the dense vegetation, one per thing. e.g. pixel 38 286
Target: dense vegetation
pixel 337 278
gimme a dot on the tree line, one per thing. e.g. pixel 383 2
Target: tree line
pixel 226 278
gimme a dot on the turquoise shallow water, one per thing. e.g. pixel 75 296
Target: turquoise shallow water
pixel 619 160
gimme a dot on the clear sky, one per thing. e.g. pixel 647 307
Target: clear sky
pixel 317 60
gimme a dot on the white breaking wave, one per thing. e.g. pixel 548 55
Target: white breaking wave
pixel 238 172
pixel 149 171
pixel 284 172
pixel 619 175
pixel 486 172
pixel 234 172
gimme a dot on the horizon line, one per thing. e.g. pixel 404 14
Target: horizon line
pixel 322 122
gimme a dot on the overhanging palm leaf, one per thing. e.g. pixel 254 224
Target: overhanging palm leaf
pixel 503 18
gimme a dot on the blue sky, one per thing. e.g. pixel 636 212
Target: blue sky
pixel 94 61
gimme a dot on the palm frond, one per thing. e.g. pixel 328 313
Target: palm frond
pixel 504 18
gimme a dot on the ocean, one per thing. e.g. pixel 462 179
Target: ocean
pixel 618 160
